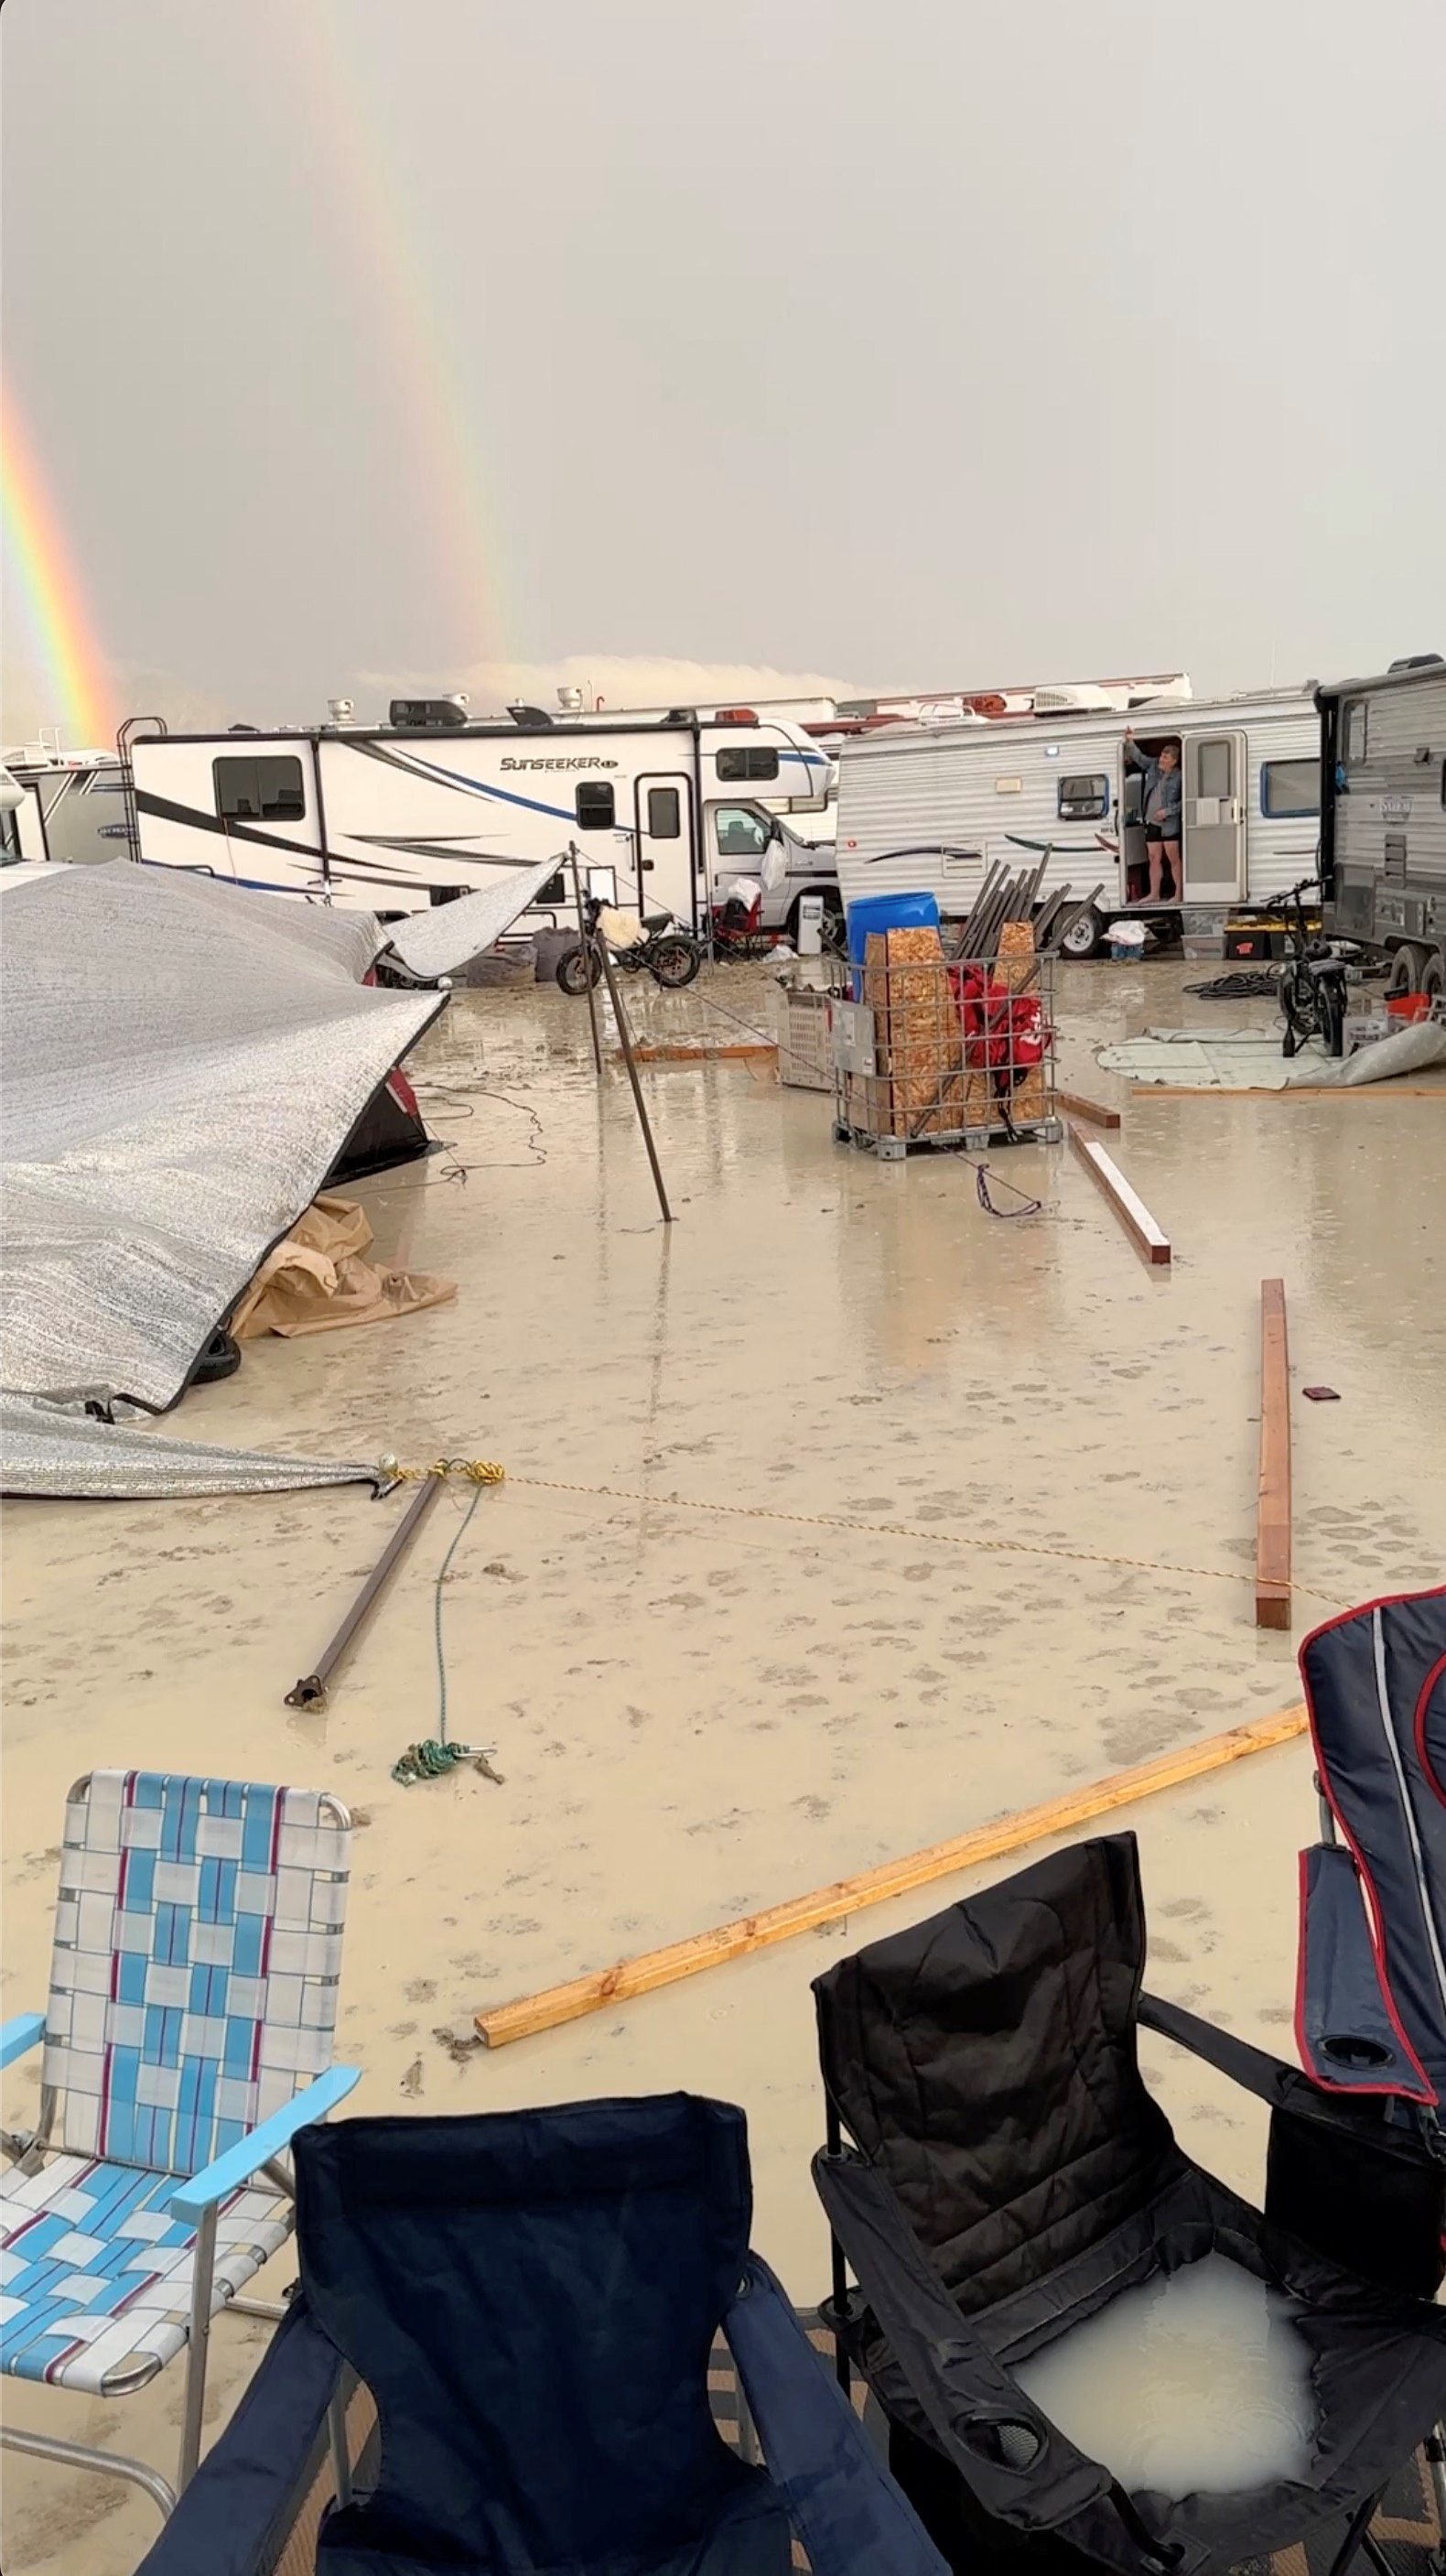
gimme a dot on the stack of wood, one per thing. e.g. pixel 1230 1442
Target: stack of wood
pixel 918 1039
pixel 923 1085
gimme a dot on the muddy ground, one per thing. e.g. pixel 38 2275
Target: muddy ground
pixel 700 1700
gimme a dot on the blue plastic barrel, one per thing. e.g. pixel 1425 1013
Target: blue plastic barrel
pixel 885 912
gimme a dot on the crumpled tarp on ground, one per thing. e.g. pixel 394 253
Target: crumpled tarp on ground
pixel 1250 1059
pixel 452 934
pixel 182 1061
pixel 318 1279
pixel 48 1449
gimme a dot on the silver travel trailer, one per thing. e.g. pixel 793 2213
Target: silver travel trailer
pixel 391 818
pixel 931 809
pixel 1383 817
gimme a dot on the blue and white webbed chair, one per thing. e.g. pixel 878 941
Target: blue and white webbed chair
pixel 188 2035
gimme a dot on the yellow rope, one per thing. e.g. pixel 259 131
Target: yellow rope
pixel 470 1471
pixel 481 1471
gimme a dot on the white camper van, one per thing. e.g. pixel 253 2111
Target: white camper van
pixel 929 810
pixel 391 818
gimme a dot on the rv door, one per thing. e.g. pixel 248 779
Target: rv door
pixel 663 823
pixel 1214 817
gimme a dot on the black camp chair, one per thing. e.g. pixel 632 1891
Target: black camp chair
pixel 531 2298
pixel 1009 2175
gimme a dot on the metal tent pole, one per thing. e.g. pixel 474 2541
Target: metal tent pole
pixel 586 960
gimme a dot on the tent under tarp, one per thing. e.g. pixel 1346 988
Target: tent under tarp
pixel 183 1061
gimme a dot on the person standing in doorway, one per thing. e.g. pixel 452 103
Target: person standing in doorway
pixel 1163 789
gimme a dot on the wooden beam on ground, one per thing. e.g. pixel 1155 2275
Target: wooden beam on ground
pixel 1079 1107
pixel 1131 1210
pixel 1272 1506
pixel 640 1976
pixel 697 1054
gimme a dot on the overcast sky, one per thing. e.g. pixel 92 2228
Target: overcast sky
pixel 914 344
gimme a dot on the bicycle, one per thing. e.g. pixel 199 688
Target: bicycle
pixel 669 954
pixel 1312 983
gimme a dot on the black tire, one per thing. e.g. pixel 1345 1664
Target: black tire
pixel 576 969
pixel 1433 975
pixel 1405 974
pixel 1332 1016
pixel 674 962
pixel 220 1358
pixel 1084 937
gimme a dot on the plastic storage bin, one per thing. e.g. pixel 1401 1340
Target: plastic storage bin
pixel 885 912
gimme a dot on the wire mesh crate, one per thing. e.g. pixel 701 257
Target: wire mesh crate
pixel 961 1049
pixel 804 1060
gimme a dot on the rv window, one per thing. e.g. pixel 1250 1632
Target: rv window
pixel 1215 770
pixel 259 791
pixel 1289 787
pixel 746 760
pixel 1354 733
pixel 664 818
pixel 595 805
pixel 1083 800
pixel 741 833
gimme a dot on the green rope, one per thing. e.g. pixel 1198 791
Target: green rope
pixel 436 1755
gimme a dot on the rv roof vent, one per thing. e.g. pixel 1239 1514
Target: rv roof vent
pixel 735 715
pixel 570 701
pixel 1415 662
pixel 530 718
pixel 339 711
pixel 427 715
pixel 681 715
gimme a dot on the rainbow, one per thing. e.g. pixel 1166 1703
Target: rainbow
pixel 38 560
pixel 372 202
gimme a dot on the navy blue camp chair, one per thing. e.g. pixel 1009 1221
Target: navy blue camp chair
pixel 531 2298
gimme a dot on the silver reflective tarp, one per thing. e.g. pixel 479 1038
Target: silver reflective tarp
pixel 48 1450
pixel 452 934
pixel 182 1061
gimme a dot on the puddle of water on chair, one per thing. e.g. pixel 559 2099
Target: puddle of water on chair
pixel 1196 2383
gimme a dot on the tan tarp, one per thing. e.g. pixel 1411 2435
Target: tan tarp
pixel 317 1279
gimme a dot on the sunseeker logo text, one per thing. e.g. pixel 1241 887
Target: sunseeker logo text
pixel 584 761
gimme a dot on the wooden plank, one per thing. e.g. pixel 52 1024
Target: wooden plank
pixel 1131 1210
pixel 1392 1089
pixel 749 1932
pixel 1272 1506
pixel 680 1054
pixel 1079 1107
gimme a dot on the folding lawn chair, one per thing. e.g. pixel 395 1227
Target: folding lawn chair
pixel 187 2037
pixel 1010 2174
pixel 531 2298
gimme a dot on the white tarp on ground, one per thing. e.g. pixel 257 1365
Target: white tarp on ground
pixel 452 934
pixel 182 1061
pixel 1251 1060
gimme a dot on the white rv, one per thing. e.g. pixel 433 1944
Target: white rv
pixel 391 818
pixel 69 810
pixel 929 810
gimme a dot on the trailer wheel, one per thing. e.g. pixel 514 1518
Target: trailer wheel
pixel 1433 975
pixel 1084 937
pixel 1408 965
